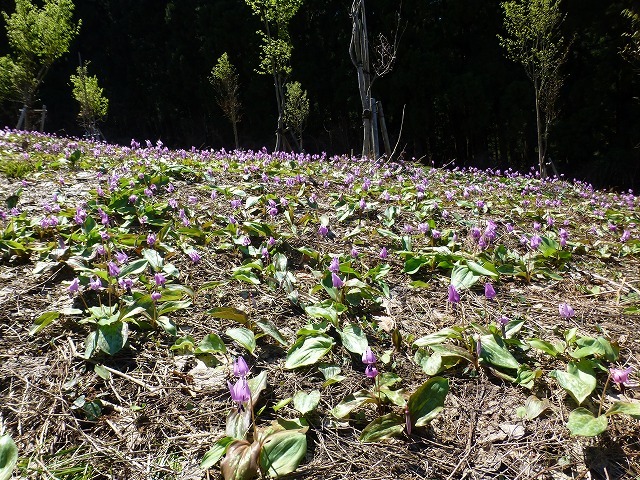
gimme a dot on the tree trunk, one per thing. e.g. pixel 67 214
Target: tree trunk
pixel 359 52
pixel 539 127
pixel 235 133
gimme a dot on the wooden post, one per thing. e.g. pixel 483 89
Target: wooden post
pixel 383 130
pixel 21 120
pixel 374 128
pixel 42 118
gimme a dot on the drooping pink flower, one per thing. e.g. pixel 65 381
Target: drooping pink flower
pixel 565 310
pixel 336 281
pixel 489 291
pixel 240 367
pixel 454 296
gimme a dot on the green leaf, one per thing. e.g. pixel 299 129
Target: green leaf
pixel 167 325
pixel 269 328
pixel 306 402
pixel 154 259
pixel 256 385
pixel 282 403
pixel 238 423
pixel 583 423
pixel 321 311
pixel 331 374
pixel 599 347
pixel 487 270
pixel 8 456
pixel 579 380
pixel 353 339
pixel 112 338
pixel 629 408
pixel 244 337
pixel 543 346
pixel 495 352
pixel 173 306
pixel 351 402
pixel 282 452
pixel 427 401
pixel 308 350
pixel 134 268
pixel 383 428
pixel 215 453
pixel 102 372
pixel 211 344
pixel 43 321
pixel 462 277
pixel 229 313
pixel 438 337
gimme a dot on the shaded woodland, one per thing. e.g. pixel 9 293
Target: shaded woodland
pixel 464 101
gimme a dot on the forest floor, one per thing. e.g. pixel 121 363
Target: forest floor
pixel 131 277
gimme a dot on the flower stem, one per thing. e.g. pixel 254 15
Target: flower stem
pixel 604 392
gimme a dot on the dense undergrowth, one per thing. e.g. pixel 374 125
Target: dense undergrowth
pixel 448 323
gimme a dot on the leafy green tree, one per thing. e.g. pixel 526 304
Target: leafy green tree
pixel 93 104
pixel 224 79
pixel 38 36
pixel 296 109
pixel 275 58
pixel 535 41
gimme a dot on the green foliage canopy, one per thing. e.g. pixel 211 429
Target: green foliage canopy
pixel 224 79
pixel 38 36
pixel 87 92
pixel 296 108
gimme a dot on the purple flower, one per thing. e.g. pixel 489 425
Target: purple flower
pixel 151 239
pixel 323 231
pixel 160 279
pixel 336 281
pixel 334 266
pixel 240 392
pixel 194 256
pixel 240 367
pixel 478 346
pixel 454 296
pixel 489 291
pixel 113 269
pixel 271 242
pixel 125 283
pixel 368 357
pixel 133 198
pixel 384 253
pixel 95 284
pixel 354 252
pixel 100 250
pixel 626 235
pixel 75 285
pixel 476 232
pixel 246 241
pixel 565 310
pixel 104 235
pixel 620 376
pixel 121 257
pixel 155 296
pixel 503 321
pixel 371 371
pixel 535 242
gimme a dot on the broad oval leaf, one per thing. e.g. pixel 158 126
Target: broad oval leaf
pixel 462 277
pixel 244 337
pixel 8 456
pixel 383 428
pixel 306 402
pixel 308 350
pixel 579 380
pixel 630 408
pixel 215 453
pixel 427 401
pixel 269 328
pixel 582 423
pixel 354 339
pixel 351 402
pixel 495 352
pixel 282 452
pixel 229 313
pixel 212 343
pixel 43 321
pixel 241 461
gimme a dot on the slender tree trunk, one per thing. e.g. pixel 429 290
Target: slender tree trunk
pixel 539 127
pixel 235 133
pixel 359 52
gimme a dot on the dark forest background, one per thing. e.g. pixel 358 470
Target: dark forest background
pixel 463 99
